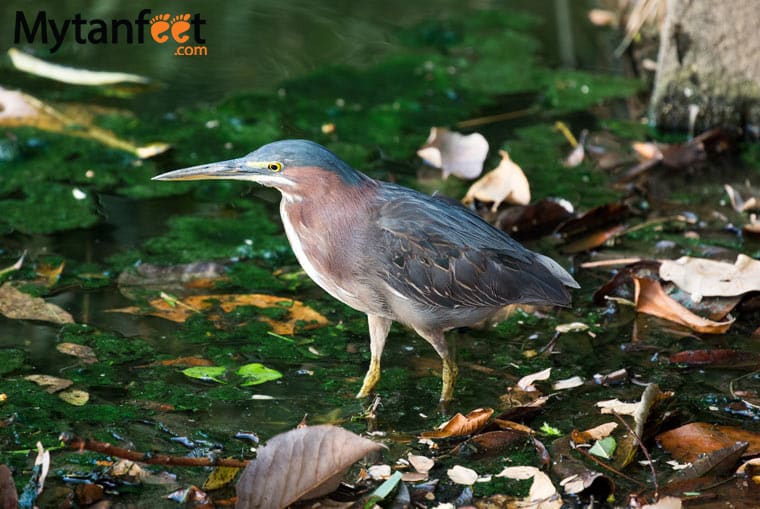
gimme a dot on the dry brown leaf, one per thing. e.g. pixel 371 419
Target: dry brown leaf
pixel 526 382
pixel 300 464
pixel 505 183
pixel 647 150
pixel 8 493
pixel 506 424
pixel 534 220
pixel 181 309
pixel 180 361
pixel 687 442
pixel 83 352
pixel 596 433
pixel 594 239
pixel 18 109
pixel 52 384
pixel 454 153
pixel 718 358
pixel 709 278
pixel 490 443
pixel 18 305
pixel 651 299
pixel 460 425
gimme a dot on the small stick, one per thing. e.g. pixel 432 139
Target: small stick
pixel 150 458
pixel 606 466
pixel 643 450
pixel 609 263
pixel 500 117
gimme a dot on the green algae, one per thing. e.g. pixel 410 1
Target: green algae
pixel 13 359
pixel 568 91
pixel 539 149
pixel 245 233
pixel 109 347
pixel 46 208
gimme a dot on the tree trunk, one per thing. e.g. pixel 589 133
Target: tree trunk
pixel 708 68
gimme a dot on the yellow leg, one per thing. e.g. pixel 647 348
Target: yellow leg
pixel 449 378
pixel 370 379
pixel 378 331
pixel 450 370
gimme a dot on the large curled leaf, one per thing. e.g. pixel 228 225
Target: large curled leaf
pixel 460 425
pixel 652 300
pixel 505 183
pixel 300 464
pixel 705 278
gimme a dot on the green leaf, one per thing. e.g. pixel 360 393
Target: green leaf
pixel 383 490
pixel 206 373
pixel 257 374
pixel 604 448
pixel 550 430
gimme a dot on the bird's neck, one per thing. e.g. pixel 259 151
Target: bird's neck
pixel 324 230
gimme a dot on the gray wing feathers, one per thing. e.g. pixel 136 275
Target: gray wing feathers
pixel 455 259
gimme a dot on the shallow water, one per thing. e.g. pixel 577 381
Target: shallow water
pixel 253 49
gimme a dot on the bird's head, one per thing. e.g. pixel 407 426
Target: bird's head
pixel 295 167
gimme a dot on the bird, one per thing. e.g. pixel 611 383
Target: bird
pixel 392 252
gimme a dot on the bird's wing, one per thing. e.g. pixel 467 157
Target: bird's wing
pixel 440 254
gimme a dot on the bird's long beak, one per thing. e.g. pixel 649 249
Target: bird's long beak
pixel 232 169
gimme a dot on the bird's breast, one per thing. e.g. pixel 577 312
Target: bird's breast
pixel 322 239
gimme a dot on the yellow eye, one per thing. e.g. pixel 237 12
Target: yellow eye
pixel 275 166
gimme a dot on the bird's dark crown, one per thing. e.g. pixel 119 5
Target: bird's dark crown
pixel 300 153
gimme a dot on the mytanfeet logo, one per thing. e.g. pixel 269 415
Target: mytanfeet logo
pixel 180 28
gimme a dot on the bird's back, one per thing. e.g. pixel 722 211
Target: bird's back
pixel 443 259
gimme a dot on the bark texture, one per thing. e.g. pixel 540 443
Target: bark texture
pixel 708 67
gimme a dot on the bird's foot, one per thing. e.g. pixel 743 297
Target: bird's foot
pixel 370 379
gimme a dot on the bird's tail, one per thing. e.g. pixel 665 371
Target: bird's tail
pixel 557 271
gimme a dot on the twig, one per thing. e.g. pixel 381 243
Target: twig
pixel 643 450
pixel 609 263
pixel 150 458
pixel 606 466
pixel 500 117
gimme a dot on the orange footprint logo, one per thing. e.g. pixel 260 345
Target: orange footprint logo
pixel 180 25
pixel 158 27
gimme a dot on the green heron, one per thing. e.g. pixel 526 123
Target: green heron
pixel 392 252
